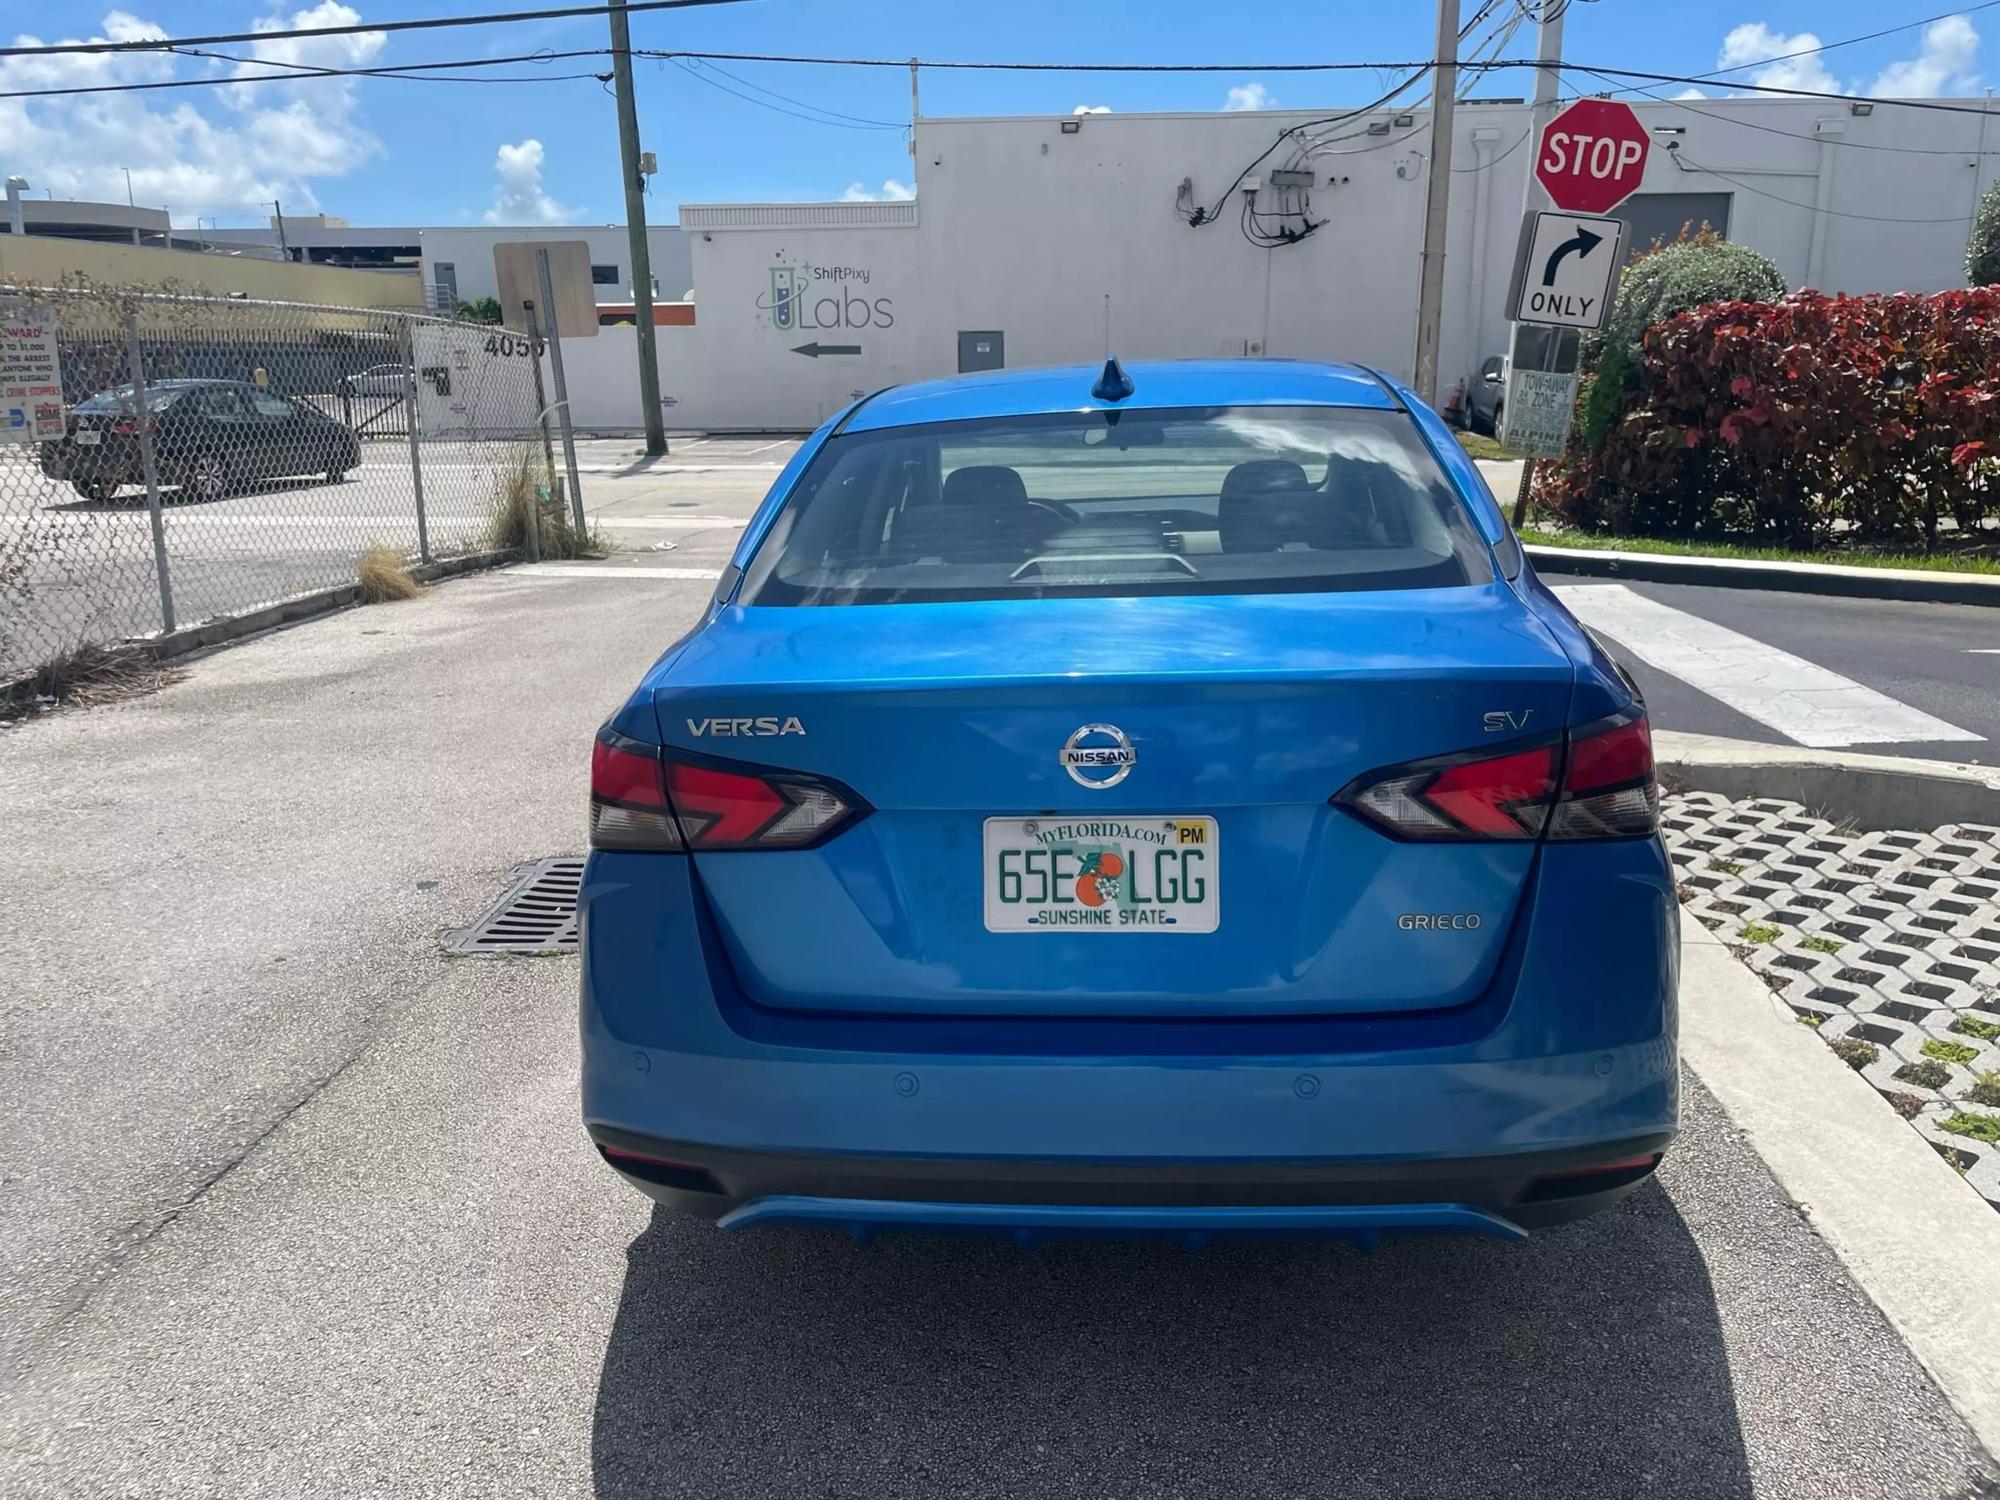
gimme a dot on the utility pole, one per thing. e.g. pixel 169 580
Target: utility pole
pixel 913 109
pixel 635 229
pixel 278 220
pixel 1437 201
pixel 1548 84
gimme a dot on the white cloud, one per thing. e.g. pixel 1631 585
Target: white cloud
pixel 230 150
pixel 1249 96
pixel 1943 64
pixel 1091 109
pixel 520 197
pixel 1690 94
pixel 1755 43
pixel 891 191
pixel 1946 62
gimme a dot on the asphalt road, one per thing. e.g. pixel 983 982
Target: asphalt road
pixel 296 1205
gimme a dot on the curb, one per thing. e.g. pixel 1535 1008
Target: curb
pixel 1869 791
pixel 1908 584
pixel 1919 1242
pixel 305 606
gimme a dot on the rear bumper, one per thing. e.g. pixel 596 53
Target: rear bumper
pixel 1569 1062
pixel 1501 1197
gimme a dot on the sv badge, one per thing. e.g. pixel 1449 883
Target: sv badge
pixel 1500 721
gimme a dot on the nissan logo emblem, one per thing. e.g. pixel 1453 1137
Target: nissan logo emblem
pixel 1098 756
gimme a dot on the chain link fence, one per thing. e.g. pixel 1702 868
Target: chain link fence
pixel 214 455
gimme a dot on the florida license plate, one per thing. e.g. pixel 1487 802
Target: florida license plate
pixel 1143 874
pixel 87 437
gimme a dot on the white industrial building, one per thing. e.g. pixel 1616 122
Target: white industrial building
pixel 1049 239
pixel 456 261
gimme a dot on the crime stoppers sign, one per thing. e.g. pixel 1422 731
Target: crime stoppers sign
pixel 1592 156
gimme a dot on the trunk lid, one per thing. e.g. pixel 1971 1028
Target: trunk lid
pixel 1250 710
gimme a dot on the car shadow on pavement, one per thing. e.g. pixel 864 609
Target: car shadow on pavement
pixel 1587 1362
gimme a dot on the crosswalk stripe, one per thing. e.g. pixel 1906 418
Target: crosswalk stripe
pixel 1802 701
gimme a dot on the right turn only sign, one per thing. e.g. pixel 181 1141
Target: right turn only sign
pixel 1567 270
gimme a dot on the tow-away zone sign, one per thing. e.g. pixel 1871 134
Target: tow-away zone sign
pixel 1566 272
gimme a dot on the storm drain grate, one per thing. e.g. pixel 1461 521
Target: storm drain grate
pixel 536 915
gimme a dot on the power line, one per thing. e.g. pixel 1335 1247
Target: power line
pixel 1688 164
pixel 1762 62
pixel 1795 135
pixel 433 23
pixel 1598 70
pixel 411 72
pixel 819 116
pixel 1603 72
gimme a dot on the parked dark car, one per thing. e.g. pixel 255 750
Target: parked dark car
pixel 209 437
pixel 1486 401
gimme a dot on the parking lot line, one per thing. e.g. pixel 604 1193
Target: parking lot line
pixel 1802 701
pixel 670 523
pixel 606 570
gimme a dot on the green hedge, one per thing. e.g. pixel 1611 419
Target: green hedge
pixel 1982 250
pixel 1685 275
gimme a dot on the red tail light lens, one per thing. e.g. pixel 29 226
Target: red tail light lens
pixel 628 796
pixel 643 798
pixel 1596 782
pixel 1461 797
pixel 1609 791
pixel 744 809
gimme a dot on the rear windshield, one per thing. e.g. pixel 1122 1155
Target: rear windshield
pixel 1216 500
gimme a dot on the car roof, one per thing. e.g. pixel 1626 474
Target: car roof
pixel 1155 384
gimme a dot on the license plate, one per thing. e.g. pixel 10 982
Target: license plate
pixel 1143 874
pixel 85 438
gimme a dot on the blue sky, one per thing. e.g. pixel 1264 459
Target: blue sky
pixel 394 152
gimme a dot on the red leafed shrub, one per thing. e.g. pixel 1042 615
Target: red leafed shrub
pixel 1778 420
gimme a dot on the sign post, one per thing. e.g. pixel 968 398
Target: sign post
pixel 1589 159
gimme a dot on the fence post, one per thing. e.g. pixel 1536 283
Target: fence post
pixel 142 419
pixel 410 425
pixel 562 389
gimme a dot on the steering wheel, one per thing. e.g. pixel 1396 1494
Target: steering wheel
pixel 1059 509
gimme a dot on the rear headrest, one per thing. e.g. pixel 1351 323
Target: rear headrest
pixel 1260 476
pixel 985 484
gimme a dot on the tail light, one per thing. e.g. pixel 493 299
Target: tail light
pixel 1608 788
pixel 128 426
pixel 644 798
pixel 1592 782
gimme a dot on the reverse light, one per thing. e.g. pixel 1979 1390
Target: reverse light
pixel 642 797
pixel 1592 782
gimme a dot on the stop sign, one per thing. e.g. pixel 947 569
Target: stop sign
pixel 1592 156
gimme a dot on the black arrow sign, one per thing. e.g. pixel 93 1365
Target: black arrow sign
pixel 1582 245
pixel 815 350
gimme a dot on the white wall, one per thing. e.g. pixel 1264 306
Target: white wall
pixel 1027 230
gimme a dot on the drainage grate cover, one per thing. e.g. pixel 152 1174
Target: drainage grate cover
pixel 536 915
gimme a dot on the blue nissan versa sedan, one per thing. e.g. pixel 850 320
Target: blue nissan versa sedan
pixel 1160 802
